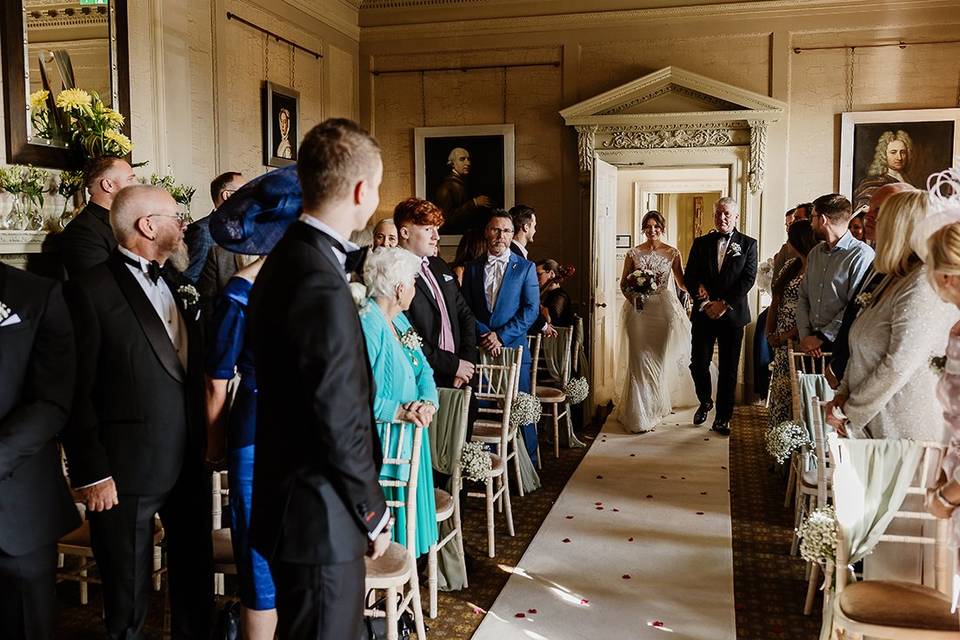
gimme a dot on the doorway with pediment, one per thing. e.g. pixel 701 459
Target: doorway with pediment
pixel 665 128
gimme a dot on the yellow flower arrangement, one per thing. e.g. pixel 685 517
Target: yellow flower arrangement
pixel 38 100
pixel 116 141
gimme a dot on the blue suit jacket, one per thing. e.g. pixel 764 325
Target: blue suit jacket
pixel 518 302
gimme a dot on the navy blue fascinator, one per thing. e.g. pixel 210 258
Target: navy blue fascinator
pixel 253 219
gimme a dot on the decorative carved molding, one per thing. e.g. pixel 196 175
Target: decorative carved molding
pixel 669 138
pixel 758 154
pixel 732 125
pixel 586 137
pixel 677 90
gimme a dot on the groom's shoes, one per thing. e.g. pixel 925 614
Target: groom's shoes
pixel 722 428
pixel 701 415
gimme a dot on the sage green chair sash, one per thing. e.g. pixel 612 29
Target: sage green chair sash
pixel 448 432
pixel 558 353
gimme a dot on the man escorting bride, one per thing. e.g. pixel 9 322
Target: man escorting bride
pixel 655 350
pixel 660 342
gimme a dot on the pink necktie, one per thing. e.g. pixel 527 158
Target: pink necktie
pixel 446 332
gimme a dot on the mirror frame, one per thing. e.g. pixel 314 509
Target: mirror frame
pixel 13 32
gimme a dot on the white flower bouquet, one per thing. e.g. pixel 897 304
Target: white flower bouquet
pixel 785 438
pixel 818 536
pixel 641 283
pixel 474 462
pixel 525 410
pixel 577 390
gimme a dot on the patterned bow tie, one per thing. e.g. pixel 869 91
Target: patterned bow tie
pixel 502 259
pixel 154 270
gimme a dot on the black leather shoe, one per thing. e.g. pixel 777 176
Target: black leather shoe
pixel 722 428
pixel 701 415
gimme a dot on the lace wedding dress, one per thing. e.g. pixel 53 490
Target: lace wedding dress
pixel 653 375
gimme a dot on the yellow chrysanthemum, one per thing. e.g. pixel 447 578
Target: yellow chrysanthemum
pixel 38 100
pixel 113 117
pixel 120 141
pixel 70 99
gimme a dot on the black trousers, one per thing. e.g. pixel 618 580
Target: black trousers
pixel 729 339
pixel 122 540
pixel 319 602
pixel 28 594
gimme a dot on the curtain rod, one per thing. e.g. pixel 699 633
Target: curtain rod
pixel 901 43
pixel 469 68
pixel 278 38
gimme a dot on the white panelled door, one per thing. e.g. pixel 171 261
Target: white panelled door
pixel 604 284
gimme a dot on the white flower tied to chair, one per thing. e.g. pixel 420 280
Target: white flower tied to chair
pixel 944 190
pixel 870 481
pixel 785 438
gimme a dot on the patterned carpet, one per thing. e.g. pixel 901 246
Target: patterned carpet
pixel 769 585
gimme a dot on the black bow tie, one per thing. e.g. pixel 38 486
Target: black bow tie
pixel 353 258
pixel 154 270
pixel 725 236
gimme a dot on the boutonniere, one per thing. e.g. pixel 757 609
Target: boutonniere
pixel 411 342
pixel 734 250
pixel 863 300
pixel 189 298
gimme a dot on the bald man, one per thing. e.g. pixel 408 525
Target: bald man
pixel 134 440
pixel 841 347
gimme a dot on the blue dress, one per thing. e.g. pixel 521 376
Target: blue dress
pixel 402 375
pixel 229 353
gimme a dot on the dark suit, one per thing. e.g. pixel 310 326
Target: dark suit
pixel 731 283
pixel 37 360
pixel 221 265
pixel 199 242
pixel 87 241
pixel 424 315
pixel 516 309
pixel 138 418
pixel 316 494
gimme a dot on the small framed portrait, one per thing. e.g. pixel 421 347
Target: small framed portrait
pixel 281 124
pixel 882 147
pixel 466 171
pixel 624 241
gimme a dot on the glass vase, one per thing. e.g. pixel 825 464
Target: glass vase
pixel 67 214
pixel 19 219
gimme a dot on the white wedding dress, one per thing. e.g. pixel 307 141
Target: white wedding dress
pixel 653 375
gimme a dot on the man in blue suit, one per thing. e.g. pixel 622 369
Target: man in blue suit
pixel 501 290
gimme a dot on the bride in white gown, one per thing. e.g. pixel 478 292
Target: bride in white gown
pixel 653 375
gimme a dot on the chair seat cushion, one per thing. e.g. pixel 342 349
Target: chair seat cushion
pixel 898 604
pixel 222 547
pixel 393 567
pixel 444 504
pixel 79 537
pixel 550 394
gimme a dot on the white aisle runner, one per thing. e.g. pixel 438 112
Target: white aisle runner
pixel 637 546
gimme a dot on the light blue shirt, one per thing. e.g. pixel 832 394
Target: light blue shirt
pixel 832 279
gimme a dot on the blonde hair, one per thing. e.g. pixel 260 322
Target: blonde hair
pixel 895 223
pixel 387 268
pixel 943 249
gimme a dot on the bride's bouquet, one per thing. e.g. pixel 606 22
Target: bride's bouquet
pixel 641 283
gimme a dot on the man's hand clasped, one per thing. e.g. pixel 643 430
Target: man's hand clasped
pixel 491 342
pixel 101 496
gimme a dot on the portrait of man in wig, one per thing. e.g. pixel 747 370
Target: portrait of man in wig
pixel 892 160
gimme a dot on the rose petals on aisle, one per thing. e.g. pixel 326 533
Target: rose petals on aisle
pixel 532 611
pixel 625 576
pixel 566 541
pixel 519 614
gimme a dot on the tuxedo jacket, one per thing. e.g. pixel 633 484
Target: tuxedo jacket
pixel 87 240
pixel 731 284
pixel 316 491
pixel 518 302
pixel 138 413
pixel 424 315
pixel 37 369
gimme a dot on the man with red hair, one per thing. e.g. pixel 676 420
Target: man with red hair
pixel 438 312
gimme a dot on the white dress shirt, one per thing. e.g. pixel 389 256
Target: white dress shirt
pixel 342 259
pixel 493 273
pixel 722 244
pixel 333 233
pixel 164 303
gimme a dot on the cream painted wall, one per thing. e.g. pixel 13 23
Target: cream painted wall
pixel 752 48
pixel 195 80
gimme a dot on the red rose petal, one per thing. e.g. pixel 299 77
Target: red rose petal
pixel 699 513
pixel 615 510
pixel 663 477
pixel 656 623
pixel 633 455
pixel 649 496
pixel 629 539
pixel 520 614
pixel 706 439
pixel 598 503
pixel 599 508
pixel 584 601
pixel 625 576
pixel 565 540
pixel 703 493
pixel 532 611
pixel 724 468
pixel 599 477
pixel 569 517
pixel 683 477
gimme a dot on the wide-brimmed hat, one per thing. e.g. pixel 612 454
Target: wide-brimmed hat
pixel 253 219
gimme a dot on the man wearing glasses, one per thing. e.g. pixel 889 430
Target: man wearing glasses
pixel 198 236
pixel 134 440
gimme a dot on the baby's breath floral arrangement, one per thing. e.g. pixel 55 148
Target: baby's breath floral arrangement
pixel 818 536
pixel 577 390
pixel 525 410
pixel 474 462
pixel 785 438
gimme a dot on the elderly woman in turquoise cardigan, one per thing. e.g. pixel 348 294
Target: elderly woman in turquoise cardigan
pixel 405 390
